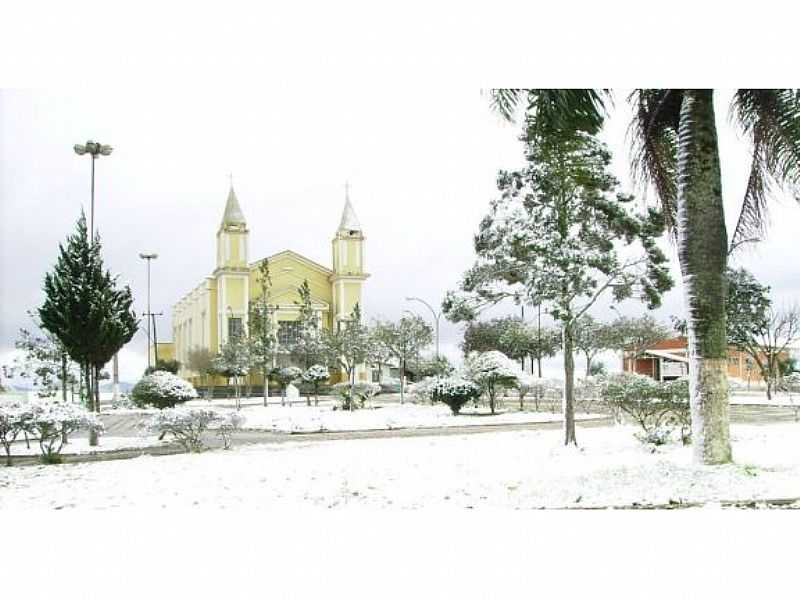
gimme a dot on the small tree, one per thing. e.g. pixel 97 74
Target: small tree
pixel 201 361
pixel 227 425
pixel 314 376
pixel 349 346
pixel 491 371
pixel 756 328
pixel 591 338
pixel 404 340
pixel 234 362
pixel 526 384
pixel 634 335
pixel 309 348
pixel 285 376
pixel 263 334
pixel 12 423
pixel 170 366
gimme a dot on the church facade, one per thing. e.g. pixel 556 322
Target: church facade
pixel 217 308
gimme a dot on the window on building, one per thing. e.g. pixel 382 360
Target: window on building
pixel 234 327
pixel 288 332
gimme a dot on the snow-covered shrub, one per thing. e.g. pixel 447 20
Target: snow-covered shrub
pixel 186 425
pixel 587 393
pixel 454 391
pixel 791 385
pixel 526 384
pixel 162 389
pixel 361 392
pixel 12 423
pixel 314 376
pixel 654 406
pixel 492 371
pixel 122 401
pixel 50 421
pixel 654 437
pixel 421 390
pixel 285 376
pixel 227 424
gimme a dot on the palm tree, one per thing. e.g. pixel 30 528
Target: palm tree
pixel 675 149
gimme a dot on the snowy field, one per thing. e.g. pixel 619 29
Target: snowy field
pixel 301 419
pixel 499 470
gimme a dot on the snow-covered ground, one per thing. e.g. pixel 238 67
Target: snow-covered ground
pixel 79 444
pixel 298 419
pixel 506 470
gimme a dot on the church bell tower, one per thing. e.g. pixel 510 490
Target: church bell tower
pixel 349 273
pixel 232 273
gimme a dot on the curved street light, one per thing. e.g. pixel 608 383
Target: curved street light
pixel 436 317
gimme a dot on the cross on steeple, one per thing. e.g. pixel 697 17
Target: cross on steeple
pixel 230 178
pixel 347 190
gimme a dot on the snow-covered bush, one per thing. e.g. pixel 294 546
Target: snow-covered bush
pixel 421 390
pixel 492 371
pixel 284 376
pixel 791 385
pixel 361 393
pixel 654 406
pixel 526 384
pixel 162 389
pixel 51 421
pixel 588 393
pixel 654 437
pixel 12 423
pixel 122 401
pixel 314 376
pixel 227 424
pixel 186 425
pixel 454 391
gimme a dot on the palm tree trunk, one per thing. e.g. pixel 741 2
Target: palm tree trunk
pixel 703 253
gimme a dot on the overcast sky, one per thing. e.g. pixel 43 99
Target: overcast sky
pixel 422 170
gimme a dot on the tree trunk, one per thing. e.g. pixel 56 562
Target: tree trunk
pixel 703 252
pixel 266 386
pixel 91 386
pixel 402 381
pixel 568 401
pixel 769 388
pixel 115 382
pixel 588 365
pixel 539 365
pixel 64 377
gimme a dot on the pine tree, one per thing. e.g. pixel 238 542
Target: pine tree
pixel 85 311
pixel 263 335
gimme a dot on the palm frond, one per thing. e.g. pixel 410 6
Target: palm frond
pixel 653 138
pixel 506 101
pixel 555 109
pixel 771 119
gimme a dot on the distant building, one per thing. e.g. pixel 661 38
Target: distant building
pixel 669 360
pixel 218 307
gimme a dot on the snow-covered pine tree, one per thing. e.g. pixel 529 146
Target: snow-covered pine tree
pixel 85 310
pixel 559 234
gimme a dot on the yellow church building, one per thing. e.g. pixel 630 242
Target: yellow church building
pixel 218 307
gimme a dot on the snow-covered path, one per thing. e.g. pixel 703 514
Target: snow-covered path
pixel 509 470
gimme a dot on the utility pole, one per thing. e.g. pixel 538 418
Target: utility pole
pixel 149 257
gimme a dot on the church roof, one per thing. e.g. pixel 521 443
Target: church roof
pixel 349 220
pixel 233 212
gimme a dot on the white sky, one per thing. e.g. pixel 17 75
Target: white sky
pixel 422 170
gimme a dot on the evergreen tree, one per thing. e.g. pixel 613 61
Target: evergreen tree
pixel 554 237
pixel 83 308
pixel 404 340
pixel 309 348
pixel 350 345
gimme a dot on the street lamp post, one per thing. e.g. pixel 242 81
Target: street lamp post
pixel 93 149
pixel 436 317
pixel 149 257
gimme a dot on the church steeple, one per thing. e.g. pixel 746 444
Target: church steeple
pixel 232 236
pixel 349 221
pixel 233 214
